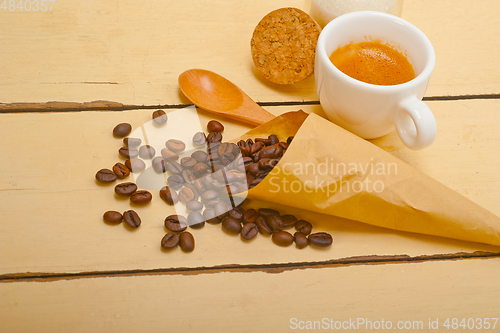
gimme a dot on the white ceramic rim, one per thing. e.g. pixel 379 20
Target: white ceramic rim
pixel 424 74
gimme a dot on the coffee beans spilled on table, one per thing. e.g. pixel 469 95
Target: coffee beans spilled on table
pixel 207 182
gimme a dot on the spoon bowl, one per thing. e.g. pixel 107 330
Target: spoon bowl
pixel 214 93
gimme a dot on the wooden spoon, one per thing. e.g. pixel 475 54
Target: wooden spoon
pixel 216 94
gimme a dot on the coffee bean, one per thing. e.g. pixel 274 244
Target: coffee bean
pixel 283 145
pixel 300 240
pixel 176 223
pixel 209 215
pixel 135 165
pixel 289 140
pixel 271 152
pixel 105 176
pixel 196 220
pixel 188 176
pixel 169 195
pixel 147 152
pixel 186 242
pixel 159 164
pixel 262 225
pixel 213 138
pixel 215 126
pixel 275 223
pixel 221 209
pixel 170 240
pixel 236 213
pixel 169 155
pixel 121 171
pixel 199 186
pixel 231 225
pixel 187 194
pixel 128 152
pixel 320 239
pixel 209 195
pixel 288 220
pixel 250 216
pixel 200 168
pixel 273 138
pixel 249 231
pixel 282 238
pixel 159 117
pixel 141 197
pixel 267 163
pixel 132 142
pixel 175 145
pixel 174 168
pixel 256 147
pixel 265 212
pixel 303 227
pixel 132 219
pixel 194 205
pixel 200 156
pixel 112 217
pixel 122 130
pixel 175 181
pixel 188 162
pixel 199 139
pixel 125 189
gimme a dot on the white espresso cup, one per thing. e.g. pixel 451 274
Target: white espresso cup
pixel 370 110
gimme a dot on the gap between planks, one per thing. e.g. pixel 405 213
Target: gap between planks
pixel 115 106
pixel 266 268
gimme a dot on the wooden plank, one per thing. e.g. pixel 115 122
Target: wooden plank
pixel 51 207
pixel 128 53
pixel 412 294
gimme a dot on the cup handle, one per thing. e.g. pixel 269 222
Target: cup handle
pixel 415 123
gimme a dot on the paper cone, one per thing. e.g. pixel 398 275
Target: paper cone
pixel 330 170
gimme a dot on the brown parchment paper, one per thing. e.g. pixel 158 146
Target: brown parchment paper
pixel 329 170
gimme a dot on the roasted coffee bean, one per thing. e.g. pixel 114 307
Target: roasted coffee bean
pixel 254 169
pixel 241 143
pixel 186 242
pixel 245 152
pixel 200 156
pixel 169 155
pixel 125 189
pixel 303 227
pixel 274 139
pixel 200 168
pixel 147 152
pixel 228 148
pixel 188 162
pixel 128 152
pixel 212 147
pixel 267 163
pixel 141 197
pixel 209 195
pixel 132 219
pixel 209 215
pixel 194 205
pixel 175 181
pixel 300 240
pixel 282 238
pixel 159 117
pixel 247 161
pixel 231 225
pixel 271 152
pixel 112 217
pixel 196 220
pixel 256 147
pixel 199 186
pixel 283 145
pixel 121 171
pixel 132 142
pixel 256 182
pixel 122 130
pixel 268 212
pixel 320 239
pixel 289 140
pixel 214 137
pixel 187 194
pixel 239 176
pixel 288 220
pixel 249 143
pixel 176 223
pixel 188 176
pixel 275 223
pixel 175 145
pixel 250 216
pixel 266 142
pixel 135 165
pixel 174 168
pixel 169 195
pixel 215 126
pixel 221 209
pixel 170 240
pixel 105 176
pixel 249 231
pixel 159 164
pixel 236 213
pixel 199 139
pixel 262 225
